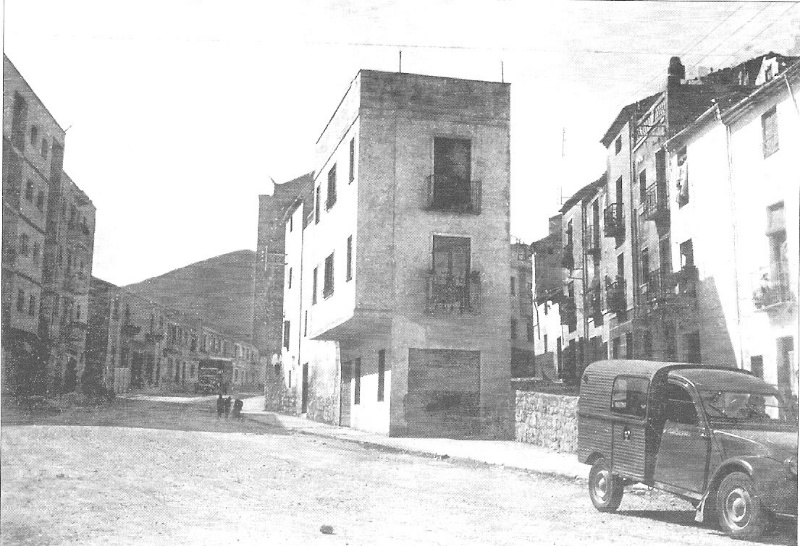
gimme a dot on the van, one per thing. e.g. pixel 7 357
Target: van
pixel 718 437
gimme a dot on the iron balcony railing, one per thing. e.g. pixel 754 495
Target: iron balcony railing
pixel 594 303
pixel 452 294
pixel 614 221
pixel 655 205
pixel 454 195
pixel 657 288
pixel 773 290
pixel 615 295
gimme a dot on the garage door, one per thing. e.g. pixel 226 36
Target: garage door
pixel 443 392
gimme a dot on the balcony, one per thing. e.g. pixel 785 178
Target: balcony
pixel 568 311
pixel 614 220
pixel 686 281
pixel 772 292
pixel 450 295
pixel 454 195
pixel 130 330
pixel 567 258
pixel 655 205
pixel 657 289
pixel 154 337
pixel 615 295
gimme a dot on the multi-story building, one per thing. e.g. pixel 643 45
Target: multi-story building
pixel 548 286
pixel 396 301
pixel 135 343
pixel 622 295
pixel 734 223
pixel 521 291
pixel 48 239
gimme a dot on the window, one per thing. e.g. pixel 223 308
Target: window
pixel 291 223
pixel 687 254
pixel 544 337
pixel 647 344
pixel 290 277
pixel 381 374
pixel 305 324
pixel 23 244
pixel 20 301
pixel 618 145
pixel 349 258
pixel 769 131
pixel 680 406
pixel 331 196
pixel 452 163
pixel 317 211
pixel 29 191
pixel 327 287
pixel 513 286
pixel 683 178
pixel 778 249
pixel 616 347
pixel 43 150
pixel 529 330
pixel 32 305
pixel 645 265
pixel 357 386
pixel 286 331
pixel 450 272
pixel 314 287
pixel 40 200
pixel 513 328
pixel 352 174
pixel 757 366
pixel 629 396
pixel 642 186
pixel 692 341
pixel 34 134
pixel 36 253
pixel 629 345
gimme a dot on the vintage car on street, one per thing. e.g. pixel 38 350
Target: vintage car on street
pixel 720 438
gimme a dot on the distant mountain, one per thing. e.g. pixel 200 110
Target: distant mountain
pixel 219 290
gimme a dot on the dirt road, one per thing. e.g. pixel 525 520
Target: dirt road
pixel 158 473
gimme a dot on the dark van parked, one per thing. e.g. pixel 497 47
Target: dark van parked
pixel 717 437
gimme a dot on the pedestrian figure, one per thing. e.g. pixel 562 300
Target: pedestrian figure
pixel 220 406
pixel 237 408
pixel 227 406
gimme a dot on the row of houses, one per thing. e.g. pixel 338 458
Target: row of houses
pixel 134 343
pixel 62 327
pixel 686 248
pixel 48 247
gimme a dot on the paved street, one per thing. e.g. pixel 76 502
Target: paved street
pixel 154 472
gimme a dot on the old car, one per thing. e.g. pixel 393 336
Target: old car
pixel 718 437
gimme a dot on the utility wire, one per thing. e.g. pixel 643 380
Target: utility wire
pixel 769 25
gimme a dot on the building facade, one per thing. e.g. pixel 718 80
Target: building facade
pixel 135 343
pixel 48 241
pixel 739 160
pixel 396 292
pixel 521 292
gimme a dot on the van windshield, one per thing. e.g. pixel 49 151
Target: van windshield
pixel 744 407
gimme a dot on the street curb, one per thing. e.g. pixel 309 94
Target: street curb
pixel 427 454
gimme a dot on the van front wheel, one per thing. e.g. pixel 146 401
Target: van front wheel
pixel 741 514
pixel 605 489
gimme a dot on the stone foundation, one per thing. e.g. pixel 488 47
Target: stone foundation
pixel 547 420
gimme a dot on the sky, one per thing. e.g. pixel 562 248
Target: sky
pixel 180 112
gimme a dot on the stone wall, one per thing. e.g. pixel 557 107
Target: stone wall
pixel 547 420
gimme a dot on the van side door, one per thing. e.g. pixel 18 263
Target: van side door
pixel 685 448
pixel 628 413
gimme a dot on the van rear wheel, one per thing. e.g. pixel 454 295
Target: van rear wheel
pixel 605 489
pixel 740 512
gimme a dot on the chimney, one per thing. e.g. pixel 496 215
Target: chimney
pixel 676 71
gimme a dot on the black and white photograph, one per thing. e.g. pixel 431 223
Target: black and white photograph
pixel 339 272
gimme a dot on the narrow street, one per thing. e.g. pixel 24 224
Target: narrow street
pixel 146 472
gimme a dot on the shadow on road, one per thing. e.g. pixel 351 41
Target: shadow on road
pixel 783 532
pixel 197 417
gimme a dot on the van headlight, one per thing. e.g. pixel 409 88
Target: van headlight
pixel 791 465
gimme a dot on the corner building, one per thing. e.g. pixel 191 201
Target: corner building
pixel 402 267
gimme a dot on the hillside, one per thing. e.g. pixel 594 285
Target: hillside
pixel 219 290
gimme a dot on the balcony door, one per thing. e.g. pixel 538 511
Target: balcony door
pixel 451 257
pixel 452 161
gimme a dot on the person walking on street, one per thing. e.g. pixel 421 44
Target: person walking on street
pixel 227 406
pixel 220 406
pixel 237 408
